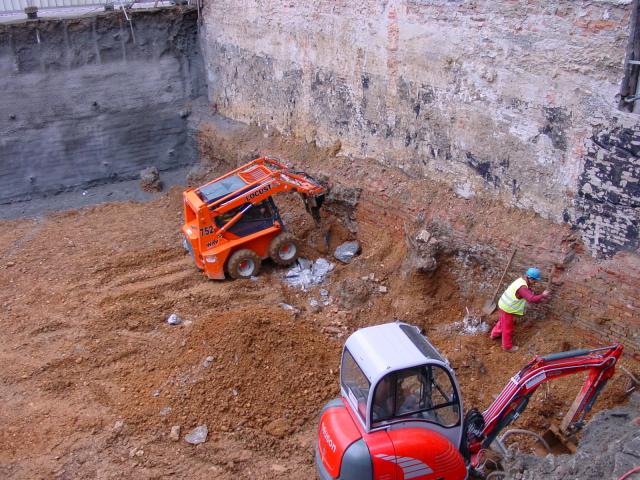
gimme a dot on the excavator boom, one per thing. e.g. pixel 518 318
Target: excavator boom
pixel 599 364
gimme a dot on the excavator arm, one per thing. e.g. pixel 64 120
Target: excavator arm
pixel 599 364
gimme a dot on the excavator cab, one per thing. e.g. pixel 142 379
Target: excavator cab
pixel 398 394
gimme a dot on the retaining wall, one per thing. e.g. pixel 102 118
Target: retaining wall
pixel 90 100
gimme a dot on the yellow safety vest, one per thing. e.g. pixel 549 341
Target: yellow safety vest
pixel 509 302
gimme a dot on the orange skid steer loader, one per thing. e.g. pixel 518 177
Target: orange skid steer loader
pixel 231 223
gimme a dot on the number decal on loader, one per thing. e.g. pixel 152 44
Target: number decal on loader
pixel 212 243
pixel 206 231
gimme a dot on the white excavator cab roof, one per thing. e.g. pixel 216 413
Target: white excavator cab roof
pixel 397 353
pixel 391 346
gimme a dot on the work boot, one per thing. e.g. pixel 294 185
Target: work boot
pixel 512 349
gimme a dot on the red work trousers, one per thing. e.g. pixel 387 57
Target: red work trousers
pixel 504 327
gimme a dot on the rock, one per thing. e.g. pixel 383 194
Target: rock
pixel 382 289
pixel 197 436
pixel 207 361
pixel 118 426
pixel 174 319
pixel 278 428
pixel 343 195
pixel 150 180
pixel 10 264
pixel 324 293
pixel 198 174
pixel 276 467
pixel 287 307
pixel 315 306
pixel 423 236
pixel 165 411
pixel 156 393
pixel 175 433
pixel 347 251
pixel 422 248
pixel 352 292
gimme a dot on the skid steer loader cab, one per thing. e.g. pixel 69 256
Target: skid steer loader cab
pixel 232 223
pixel 400 412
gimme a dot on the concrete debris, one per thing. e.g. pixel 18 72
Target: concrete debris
pixel 608 448
pixel 175 433
pixel 208 361
pixel 382 289
pixel 347 251
pixel 150 180
pixel 471 324
pixel 197 435
pixel 118 426
pixel 165 411
pixel 174 319
pixel 156 393
pixel 324 292
pixel 306 273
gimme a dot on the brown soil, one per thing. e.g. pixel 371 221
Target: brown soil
pixel 90 365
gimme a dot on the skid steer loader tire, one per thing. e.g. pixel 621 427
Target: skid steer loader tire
pixel 244 264
pixel 284 249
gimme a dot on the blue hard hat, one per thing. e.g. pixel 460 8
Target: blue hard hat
pixel 533 273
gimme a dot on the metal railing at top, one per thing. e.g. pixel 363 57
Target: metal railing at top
pixel 8 6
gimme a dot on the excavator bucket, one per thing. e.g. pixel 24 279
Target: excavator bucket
pixel 558 442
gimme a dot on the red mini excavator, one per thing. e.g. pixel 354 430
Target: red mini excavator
pixel 400 416
pixel 231 223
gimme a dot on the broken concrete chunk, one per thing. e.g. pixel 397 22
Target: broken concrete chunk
pixel 347 251
pixel 306 273
pixel 175 433
pixel 382 289
pixel 197 436
pixel 150 180
pixel 174 319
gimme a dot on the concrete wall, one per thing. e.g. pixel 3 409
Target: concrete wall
pixel 85 101
pixel 508 98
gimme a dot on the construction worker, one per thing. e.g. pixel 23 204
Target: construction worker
pixel 513 302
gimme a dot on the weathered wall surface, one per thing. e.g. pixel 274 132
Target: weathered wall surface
pixel 509 98
pixel 85 101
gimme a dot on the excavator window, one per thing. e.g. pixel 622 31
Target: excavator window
pixel 355 384
pixel 425 393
